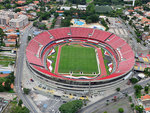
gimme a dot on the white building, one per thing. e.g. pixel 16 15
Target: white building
pixel 8 14
pixel 20 22
pixel 4 20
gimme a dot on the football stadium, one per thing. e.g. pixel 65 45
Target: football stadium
pixel 80 60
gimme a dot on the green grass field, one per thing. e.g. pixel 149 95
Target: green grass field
pixel 77 59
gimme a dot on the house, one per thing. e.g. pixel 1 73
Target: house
pixel 36 2
pixel 145 101
pixel 20 2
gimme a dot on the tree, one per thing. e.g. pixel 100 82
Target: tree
pixel 146 28
pixel 130 99
pixel 138 90
pixel 35 23
pixel 121 110
pixel 2 34
pixel 18 109
pixel 7 85
pixel 118 89
pixel 20 103
pixel 17 10
pixel 92 18
pixel 71 107
pixel 147 71
pixel 26 91
pixel 8 6
pixel 134 80
pixel 105 111
pixel 146 89
pixel 42 26
pixel 29 38
pixel 130 22
pixel 1 87
pixel 132 105
pixel 139 108
pixel 11 77
pixel 65 22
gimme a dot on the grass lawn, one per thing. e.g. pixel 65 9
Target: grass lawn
pixel 5 61
pixel 53 58
pixel 77 59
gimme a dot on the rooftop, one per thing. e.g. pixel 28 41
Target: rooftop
pixel 146 97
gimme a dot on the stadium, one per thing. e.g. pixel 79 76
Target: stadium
pixel 80 60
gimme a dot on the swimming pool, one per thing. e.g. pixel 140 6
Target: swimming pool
pixel 76 21
pixel 5 72
pixel 98 27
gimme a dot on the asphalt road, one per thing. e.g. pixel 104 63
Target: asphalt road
pixel 19 70
pixel 58 22
pixel 101 103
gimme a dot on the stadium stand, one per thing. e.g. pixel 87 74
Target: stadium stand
pixel 60 33
pixel 100 35
pixel 76 32
pixel 45 38
pixel 111 42
pixel 33 47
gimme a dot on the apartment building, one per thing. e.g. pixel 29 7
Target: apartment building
pixel 12 19
pixel 20 22
pixel 11 15
pixel 4 20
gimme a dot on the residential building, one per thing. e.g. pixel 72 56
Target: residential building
pixel 20 22
pixel 8 14
pixel 4 20
pixel 145 102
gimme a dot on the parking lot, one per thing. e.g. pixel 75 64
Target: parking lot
pixel 47 104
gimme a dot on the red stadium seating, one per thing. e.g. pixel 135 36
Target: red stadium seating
pixel 43 38
pixel 118 43
pixel 33 59
pixel 60 33
pixel 81 32
pixel 33 47
pixel 100 35
pixel 36 45
pixel 111 40
pixel 128 55
pixel 125 48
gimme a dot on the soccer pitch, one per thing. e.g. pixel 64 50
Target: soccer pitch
pixel 76 59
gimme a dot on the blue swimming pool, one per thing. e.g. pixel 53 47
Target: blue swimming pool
pixel 99 27
pixel 5 72
pixel 76 21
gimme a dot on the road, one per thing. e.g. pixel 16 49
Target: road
pixel 101 103
pixel 58 22
pixel 19 70
pixel 130 30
